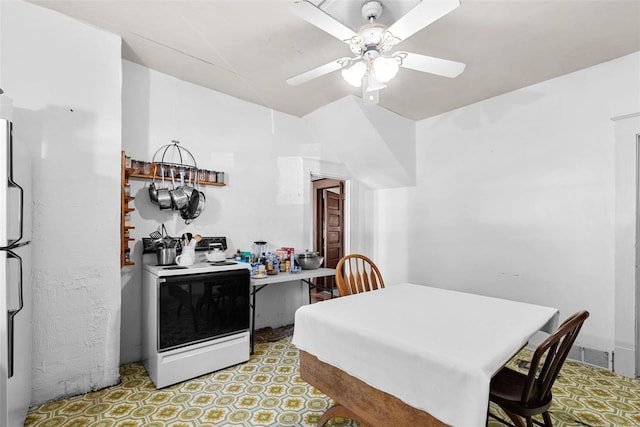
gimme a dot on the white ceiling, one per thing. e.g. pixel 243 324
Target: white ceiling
pixel 248 49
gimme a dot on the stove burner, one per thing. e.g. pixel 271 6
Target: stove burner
pixel 175 267
pixel 217 263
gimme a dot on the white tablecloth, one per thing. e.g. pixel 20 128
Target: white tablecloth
pixel 432 348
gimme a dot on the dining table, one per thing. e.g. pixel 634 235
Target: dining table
pixel 411 354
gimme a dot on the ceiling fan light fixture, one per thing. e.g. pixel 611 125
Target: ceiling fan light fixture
pixel 353 74
pixel 385 68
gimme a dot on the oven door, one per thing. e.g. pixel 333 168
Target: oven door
pixel 194 308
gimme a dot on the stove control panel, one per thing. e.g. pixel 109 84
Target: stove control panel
pixel 150 245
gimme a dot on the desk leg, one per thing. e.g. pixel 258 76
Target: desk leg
pixel 253 319
pixel 311 285
pixel 333 282
pixel 253 315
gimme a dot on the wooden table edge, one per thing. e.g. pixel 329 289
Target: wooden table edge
pixel 370 406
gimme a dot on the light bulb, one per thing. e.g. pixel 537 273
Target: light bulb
pixel 385 68
pixel 353 74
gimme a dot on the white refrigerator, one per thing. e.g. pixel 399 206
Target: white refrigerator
pixel 15 279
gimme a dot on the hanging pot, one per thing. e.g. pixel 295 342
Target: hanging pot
pixel 153 193
pixel 200 206
pixel 179 198
pixel 153 190
pixel 188 189
pixel 195 207
pixel 164 197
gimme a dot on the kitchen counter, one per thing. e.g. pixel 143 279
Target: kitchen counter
pixel 287 277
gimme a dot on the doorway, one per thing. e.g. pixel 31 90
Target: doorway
pixel 329 237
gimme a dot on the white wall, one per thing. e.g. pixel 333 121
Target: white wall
pixel 259 150
pixel 376 145
pixel 64 78
pixel 515 197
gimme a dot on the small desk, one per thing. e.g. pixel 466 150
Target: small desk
pixel 433 350
pixel 303 275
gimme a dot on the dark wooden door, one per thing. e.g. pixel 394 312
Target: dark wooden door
pixel 333 228
pixel 329 238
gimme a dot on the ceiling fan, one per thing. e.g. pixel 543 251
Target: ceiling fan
pixel 374 63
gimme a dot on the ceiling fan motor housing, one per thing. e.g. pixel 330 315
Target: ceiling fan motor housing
pixel 368 35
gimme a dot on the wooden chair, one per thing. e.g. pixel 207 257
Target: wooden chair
pixel 356 273
pixel 521 395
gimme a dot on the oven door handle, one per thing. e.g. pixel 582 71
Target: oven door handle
pixel 218 276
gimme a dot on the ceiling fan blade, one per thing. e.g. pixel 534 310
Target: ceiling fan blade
pixel 316 72
pixel 429 64
pixel 320 19
pixel 422 15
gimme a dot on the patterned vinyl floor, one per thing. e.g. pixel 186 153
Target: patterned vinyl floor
pixel 267 391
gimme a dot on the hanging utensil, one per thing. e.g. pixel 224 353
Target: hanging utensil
pixel 168 240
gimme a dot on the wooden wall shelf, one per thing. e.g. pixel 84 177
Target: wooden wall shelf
pixel 125 228
pixel 143 176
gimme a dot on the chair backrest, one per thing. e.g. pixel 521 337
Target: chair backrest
pixel 356 273
pixel 549 358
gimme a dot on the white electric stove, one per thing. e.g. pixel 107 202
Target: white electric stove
pixel 195 319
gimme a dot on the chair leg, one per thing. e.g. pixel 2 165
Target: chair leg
pixel 547 419
pixel 515 418
pixel 338 410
